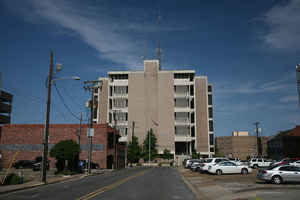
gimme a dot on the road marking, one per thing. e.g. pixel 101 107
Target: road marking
pixel 112 186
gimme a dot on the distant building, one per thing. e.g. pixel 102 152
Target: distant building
pixel 240 145
pixel 285 144
pixel 5 105
pixel 26 139
pixel 176 104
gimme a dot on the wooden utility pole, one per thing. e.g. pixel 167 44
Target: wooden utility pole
pixel 46 130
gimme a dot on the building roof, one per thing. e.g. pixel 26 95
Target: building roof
pixel 292 132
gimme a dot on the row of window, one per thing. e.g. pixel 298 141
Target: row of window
pixel 184 103
pixel 184 76
pixel 118 90
pixel 184 90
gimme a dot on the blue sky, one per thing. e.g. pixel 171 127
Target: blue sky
pixel 248 50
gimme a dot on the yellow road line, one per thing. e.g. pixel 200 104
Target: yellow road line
pixel 110 187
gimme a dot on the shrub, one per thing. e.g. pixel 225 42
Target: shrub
pixel 13 179
pixel 138 164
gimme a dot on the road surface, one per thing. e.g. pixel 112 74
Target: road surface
pixel 127 184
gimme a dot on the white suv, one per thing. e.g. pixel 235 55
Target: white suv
pixel 210 161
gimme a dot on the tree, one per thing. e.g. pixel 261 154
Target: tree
pixel 66 150
pixel 167 154
pixel 134 151
pixel 153 146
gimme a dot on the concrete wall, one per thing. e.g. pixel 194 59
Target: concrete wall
pixel 103 103
pixel 201 102
pixel 165 110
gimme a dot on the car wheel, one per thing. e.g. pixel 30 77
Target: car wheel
pixel 244 171
pixel 255 166
pixel 277 179
pixel 219 172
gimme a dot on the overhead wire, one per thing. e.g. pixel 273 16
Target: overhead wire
pixel 64 103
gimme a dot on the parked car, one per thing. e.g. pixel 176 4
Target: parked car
pixel 23 164
pixel 196 165
pixel 279 174
pixel 235 160
pixel 210 161
pixel 37 166
pixel 296 163
pixel 228 167
pixel 85 165
pixel 259 162
pixel 189 163
pixel 285 161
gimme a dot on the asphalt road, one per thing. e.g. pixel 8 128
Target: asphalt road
pixel 135 183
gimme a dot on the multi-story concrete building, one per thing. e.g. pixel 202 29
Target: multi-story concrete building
pixel 177 105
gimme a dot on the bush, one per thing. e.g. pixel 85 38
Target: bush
pixel 13 179
pixel 138 164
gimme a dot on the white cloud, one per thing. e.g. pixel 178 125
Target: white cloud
pixel 283 22
pixel 284 83
pixel 287 99
pixel 109 33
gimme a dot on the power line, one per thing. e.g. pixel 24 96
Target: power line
pixel 64 103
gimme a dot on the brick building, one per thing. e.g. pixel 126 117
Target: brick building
pixel 27 140
pixel 285 144
pixel 240 145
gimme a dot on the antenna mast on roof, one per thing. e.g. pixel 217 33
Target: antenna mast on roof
pixel 158 50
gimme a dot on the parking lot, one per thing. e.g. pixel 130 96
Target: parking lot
pixel 236 186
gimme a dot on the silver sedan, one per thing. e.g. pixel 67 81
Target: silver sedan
pixel 279 174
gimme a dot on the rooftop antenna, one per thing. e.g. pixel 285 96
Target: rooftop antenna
pixel 158 50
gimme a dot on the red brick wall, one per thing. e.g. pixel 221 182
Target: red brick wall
pixel 32 135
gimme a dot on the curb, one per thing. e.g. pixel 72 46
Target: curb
pixel 191 187
pixel 44 184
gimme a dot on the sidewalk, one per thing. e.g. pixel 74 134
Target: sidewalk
pixel 50 180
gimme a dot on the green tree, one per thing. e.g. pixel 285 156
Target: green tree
pixel 134 151
pixel 153 146
pixel 66 150
pixel 167 154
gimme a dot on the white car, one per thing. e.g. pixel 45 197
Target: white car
pixel 227 167
pixel 296 163
pixel 210 161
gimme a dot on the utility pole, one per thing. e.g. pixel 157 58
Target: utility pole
pixel 149 146
pixel 46 130
pixel 257 138
pixel 115 127
pixel 78 135
pixel 91 86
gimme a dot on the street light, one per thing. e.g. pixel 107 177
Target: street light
pixel 58 68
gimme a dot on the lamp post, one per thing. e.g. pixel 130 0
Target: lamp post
pixel 46 130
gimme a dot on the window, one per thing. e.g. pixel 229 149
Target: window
pixel 210 112
pixel 212 149
pixel 110 140
pixel 192 90
pixel 193 131
pixel 193 118
pixel 209 99
pixel 192 104
pixel 209 88
pixel 211 139
pixel 259 160
pixel 286 168
pixel 110 90
pixel 110 104
pixel 211 125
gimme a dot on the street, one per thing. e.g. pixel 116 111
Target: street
pixel 134 183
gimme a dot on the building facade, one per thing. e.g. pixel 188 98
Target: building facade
pixel 285 144
pixel 240 145
pixel 176 105
pixel 26 139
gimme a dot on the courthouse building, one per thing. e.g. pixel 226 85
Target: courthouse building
pixel 176 105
